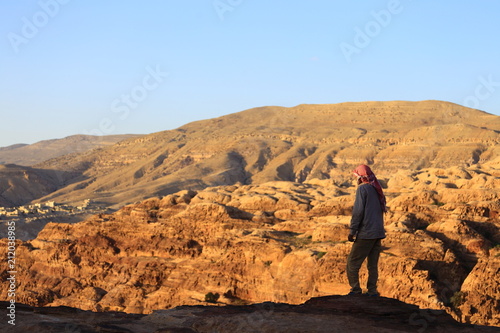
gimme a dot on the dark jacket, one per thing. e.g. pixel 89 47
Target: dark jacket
pixel 367 220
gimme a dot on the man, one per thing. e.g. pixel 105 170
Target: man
pixel 366 230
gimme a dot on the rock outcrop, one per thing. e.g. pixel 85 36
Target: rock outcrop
pixel 281 242
pixel 318 315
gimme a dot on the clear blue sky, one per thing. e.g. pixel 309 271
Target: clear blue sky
pixel 123 66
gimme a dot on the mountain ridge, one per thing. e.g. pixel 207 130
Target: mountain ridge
pixel 22 183
pixel 304 142
pixel 31 154
pixel 14 146
pixel 278 143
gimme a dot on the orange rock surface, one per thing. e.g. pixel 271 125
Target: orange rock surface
pixel 279 242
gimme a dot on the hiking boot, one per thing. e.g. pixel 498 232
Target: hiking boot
pixel 375 294
pixel 351 293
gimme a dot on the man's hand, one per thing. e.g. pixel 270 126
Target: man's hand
pixel 350 238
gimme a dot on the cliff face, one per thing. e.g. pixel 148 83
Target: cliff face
pixel 279 242
pixel 318 315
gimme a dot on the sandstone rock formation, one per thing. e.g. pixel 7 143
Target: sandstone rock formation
pixel 277 241
pixel 318 315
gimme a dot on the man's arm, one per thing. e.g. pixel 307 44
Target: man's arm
pixel 358 212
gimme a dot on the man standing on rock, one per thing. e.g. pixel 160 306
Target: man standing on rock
pixel 366 230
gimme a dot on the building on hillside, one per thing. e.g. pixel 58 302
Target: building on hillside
pixel 13 212
pixel 25 210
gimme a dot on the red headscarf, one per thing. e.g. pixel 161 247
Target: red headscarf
pixel 366 175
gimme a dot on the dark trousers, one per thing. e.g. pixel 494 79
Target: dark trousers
pixel 362 249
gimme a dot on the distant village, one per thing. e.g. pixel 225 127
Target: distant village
pixel 42 209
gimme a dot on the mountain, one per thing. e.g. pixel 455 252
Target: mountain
pixel 12 147
pixel 28 155
pixel 20 185
pixel 278 143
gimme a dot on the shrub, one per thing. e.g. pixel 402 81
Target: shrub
pixel 457 299
pixel 211 297
pixel 320 255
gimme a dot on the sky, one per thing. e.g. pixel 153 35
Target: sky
pixel 122 66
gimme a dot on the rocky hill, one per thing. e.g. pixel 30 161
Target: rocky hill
pixel 12 147
pixel 28 155
pixel 319 315
pixel 282 242
pixel 20 185
pixel 277 143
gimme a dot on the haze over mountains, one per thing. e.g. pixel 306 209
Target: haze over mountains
pixel 278 143
pixel 26 155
